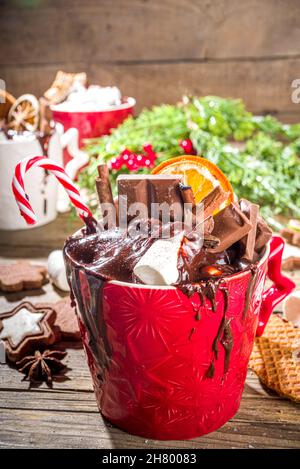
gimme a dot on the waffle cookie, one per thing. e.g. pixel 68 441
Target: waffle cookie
pixel 276 357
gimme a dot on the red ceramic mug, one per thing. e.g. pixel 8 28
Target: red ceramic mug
pixel 93 124
pixel 167 366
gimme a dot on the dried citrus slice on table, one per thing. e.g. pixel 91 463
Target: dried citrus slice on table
pixel 199 173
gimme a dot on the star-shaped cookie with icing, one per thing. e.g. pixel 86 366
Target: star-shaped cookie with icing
pixel 26 328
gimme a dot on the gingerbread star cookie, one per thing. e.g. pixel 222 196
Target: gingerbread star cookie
pixel 26 328
pixel 21 276
pixel 66 320
pixel 66 324
pixel 290 257
pixel 290 234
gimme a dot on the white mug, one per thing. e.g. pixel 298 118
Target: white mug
pixel 45 194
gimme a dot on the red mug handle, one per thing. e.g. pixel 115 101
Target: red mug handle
pixel 281 287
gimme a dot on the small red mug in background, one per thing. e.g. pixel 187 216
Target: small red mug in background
pixel 93 124
pixel 160 365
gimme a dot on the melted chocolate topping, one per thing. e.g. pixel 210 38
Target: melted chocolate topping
pixel 224 337
pixel 227 343
pixel 112 255
pixel 250 290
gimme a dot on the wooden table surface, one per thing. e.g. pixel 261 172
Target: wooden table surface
pixel 67 416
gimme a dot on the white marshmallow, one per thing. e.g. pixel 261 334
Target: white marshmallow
pixel 158 266
pixel 57 271
pixel 291 308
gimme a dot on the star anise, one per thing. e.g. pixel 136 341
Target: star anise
pixel 42 366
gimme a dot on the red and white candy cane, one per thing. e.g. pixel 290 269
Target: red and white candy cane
pixel 58 171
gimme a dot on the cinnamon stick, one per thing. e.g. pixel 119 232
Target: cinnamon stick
pixel 187 194
pixel 45 116
pixel 105 196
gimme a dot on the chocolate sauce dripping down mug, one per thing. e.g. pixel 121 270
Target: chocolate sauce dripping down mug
pixel 166 366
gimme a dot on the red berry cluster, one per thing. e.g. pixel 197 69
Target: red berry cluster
pixel 187 146
pixel 132 161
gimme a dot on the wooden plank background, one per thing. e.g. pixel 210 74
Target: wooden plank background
pixel 157 50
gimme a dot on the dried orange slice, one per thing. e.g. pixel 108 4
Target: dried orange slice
pixel 24 113
pixel 199 173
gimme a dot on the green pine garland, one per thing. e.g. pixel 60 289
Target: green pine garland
pixel 260 156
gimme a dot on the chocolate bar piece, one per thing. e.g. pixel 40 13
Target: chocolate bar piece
pixel 190 215
pixel 149 189
pixel 231 225
pixel 210 241
pixel 134 187
pixel 263 234
pixel 213 200
pixel 247 243
pixel 164 189
pixel 209 224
